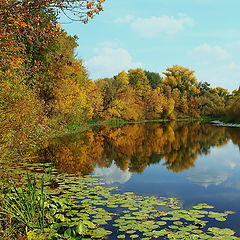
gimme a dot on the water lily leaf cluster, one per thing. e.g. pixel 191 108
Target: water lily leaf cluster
pixel 84 208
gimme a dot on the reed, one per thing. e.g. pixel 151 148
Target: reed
pixel 25 204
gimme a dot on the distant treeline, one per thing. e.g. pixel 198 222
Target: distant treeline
pixel 138 94
pixel 43 86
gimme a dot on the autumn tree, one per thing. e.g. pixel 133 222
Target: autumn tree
pixel 74 10
pixel 221 92
pixel 121 81
pixel 94 100
pixel 233 107
pixel 157 105
pixel 119 98
pixel 184 88
pixel 125 106
pixel 22 119
pixel 181 78
pixel 108 90
pixel 236 92
pixel 34 52
pixel 21 114
pixel 139 81
pixel 204 87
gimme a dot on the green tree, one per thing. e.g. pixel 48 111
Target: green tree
pixel 154 78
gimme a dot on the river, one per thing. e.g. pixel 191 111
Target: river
pixel 192 161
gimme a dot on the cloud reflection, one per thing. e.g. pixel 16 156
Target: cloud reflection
pixel 208 177
pixel 113 174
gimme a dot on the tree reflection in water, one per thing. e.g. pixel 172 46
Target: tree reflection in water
pixel 136 146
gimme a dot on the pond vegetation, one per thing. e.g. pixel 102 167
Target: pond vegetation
pixel 52 201
pixel 60 206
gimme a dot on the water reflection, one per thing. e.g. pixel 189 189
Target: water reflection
pixel 193 162
pixel 132 148
pixel 113 174
pixel 208 177
pixel 218 167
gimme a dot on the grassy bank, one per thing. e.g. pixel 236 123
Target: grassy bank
pixel 81 126
pixel 230 120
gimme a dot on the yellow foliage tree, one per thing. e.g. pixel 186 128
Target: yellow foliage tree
pixel 139 81
pixel 21 114
pixel 126 105
pixel 182 78
pixel 233 107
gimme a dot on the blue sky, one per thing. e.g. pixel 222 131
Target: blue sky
pixel 203 35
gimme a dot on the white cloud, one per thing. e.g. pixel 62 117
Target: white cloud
pixel 113 174
pixel 128 18
pixel 226 75
pixel 153 26
pixel 109 61
pixel 206 53
pixel 234 45
pixel 215 64
pixel 109 44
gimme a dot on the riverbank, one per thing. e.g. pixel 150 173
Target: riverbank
pixel 225 124
pixel 230 120
pixel 81 126
pixel 58 130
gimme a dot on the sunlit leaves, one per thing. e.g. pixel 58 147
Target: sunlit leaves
pixel 180 77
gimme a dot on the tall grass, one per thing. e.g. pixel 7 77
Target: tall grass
pixel 25 204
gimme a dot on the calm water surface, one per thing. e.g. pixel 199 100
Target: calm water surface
pixel 193 162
